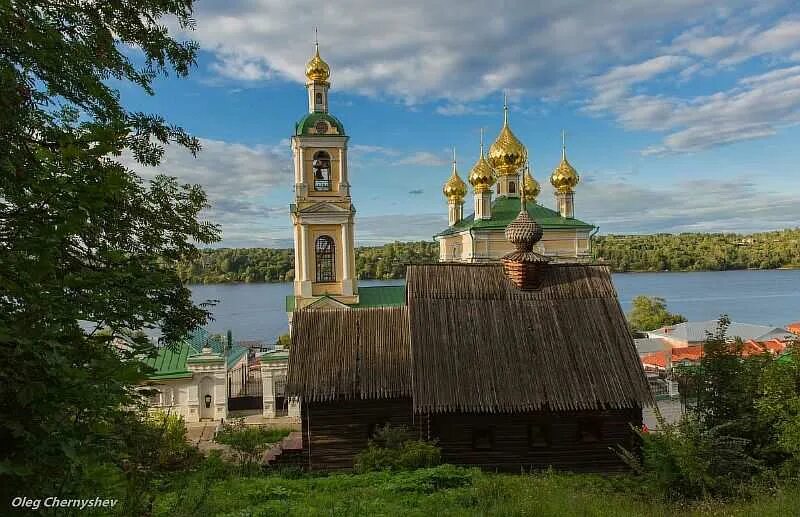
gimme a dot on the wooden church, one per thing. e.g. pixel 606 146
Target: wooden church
pixel 523 364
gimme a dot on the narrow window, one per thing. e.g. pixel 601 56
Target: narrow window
pixel 483 439
pixel 325 251
pixel 322 171
pixel 589 430
pixel 512 187
pixel 318 99
pixel 538 436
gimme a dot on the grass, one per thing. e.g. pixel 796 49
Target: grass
pixel 442 491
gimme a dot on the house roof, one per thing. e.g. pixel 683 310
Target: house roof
pixel 694 353
pixel 375 296
pixel 697 331
pixel 358 353
pixel 505 209
pixel 794 327
pixel 470 341
pixel 170 362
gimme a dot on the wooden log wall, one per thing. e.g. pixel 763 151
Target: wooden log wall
pixel 512 451
pixel 335 432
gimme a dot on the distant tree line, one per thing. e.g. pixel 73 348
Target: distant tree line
pixel 699 251
pixel 277 265
pixel 659 252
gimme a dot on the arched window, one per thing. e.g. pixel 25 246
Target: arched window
pixel 512 187
pixel 325 258
pixel 318 99
pixel 322 171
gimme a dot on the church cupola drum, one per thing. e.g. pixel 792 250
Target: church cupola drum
pixel 322 213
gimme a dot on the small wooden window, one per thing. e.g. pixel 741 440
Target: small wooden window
pixel 590 430
pixel 538 435
pixel 325 258
pixel 483 439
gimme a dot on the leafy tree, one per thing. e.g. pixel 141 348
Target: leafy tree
pixel 85 243
pixel 650 313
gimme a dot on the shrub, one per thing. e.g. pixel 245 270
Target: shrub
pixel 248 442
pixel 393 449
pixel 688 461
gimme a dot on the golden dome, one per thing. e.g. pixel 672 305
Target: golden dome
pixel 530 187
pixel 507 155
pixel 564 178
pixel 454 188
pixel 317 70
pixel 481 177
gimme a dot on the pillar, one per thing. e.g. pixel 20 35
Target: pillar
pixel 268 391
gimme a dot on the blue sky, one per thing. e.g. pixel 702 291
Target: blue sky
pixel 680 115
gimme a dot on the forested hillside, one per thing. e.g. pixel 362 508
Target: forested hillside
pixel 699 251
pixel 277 265
pixel 660 252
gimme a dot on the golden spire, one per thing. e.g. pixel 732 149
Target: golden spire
pixel 454 188
pixel 507 154
pixel 530 187
pixel 317 70
pixel 481 177
pixel 564 177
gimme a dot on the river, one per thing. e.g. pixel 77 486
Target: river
pixel 256 311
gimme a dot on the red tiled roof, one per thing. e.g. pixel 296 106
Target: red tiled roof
pixel 794 327
pixel 693 353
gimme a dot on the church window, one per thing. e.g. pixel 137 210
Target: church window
pixel 512 187
pixel 325 251
pixel 318 99
pixel 322 171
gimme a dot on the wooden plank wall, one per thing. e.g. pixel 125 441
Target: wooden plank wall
pixel 335 432
pixel 511 450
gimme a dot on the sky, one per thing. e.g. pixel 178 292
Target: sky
pixel 680 115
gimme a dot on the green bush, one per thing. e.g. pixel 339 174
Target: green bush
pixel 393 449
pixel 429 480
pixel 249 442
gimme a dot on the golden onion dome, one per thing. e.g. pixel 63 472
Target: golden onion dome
pixel 507 155
pixel 454 188
pixel 530 187
pixel 317 70
pixel 481 177
pixel 564 178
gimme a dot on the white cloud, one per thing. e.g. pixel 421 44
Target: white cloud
pixel 422 49
pixel 237 178
pixel 425 159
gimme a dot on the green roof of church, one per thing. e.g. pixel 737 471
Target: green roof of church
pixel 170 362
pixel 310 120
pixel 376 296
pixel 505 209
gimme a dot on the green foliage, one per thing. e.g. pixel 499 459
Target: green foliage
pixel 445 491
pixel 691 460
pixel 249 442
pixel 650 313
pixel 285 341
pixel 741 432
pixel 86 244
pixel 699 251
pixel 277 265
pixel 393 449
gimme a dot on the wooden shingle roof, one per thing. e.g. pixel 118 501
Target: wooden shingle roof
pixel 350 353
pixel 470 341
